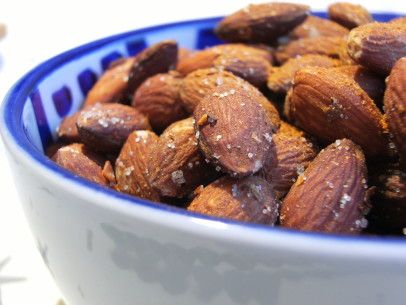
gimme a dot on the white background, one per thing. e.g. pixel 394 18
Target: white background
pixel 40 29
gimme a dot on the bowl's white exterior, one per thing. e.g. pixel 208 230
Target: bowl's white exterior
pixel 105 249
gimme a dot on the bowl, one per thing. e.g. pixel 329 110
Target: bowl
pixel 107 248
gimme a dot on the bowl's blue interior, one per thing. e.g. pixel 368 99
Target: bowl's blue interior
pixel 35 106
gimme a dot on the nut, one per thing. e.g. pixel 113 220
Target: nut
pixel 280 78
pixel 261 22
pixel 67 130
pixel 158 98
pixel 321 99
pixel 331 194
pixel 176 167
pixel 293 153
pixel 377 46
pixel 79 160
pixel 395 107
pixel 315 26
pixel 105 127
pixel 236 135
pixel 328 46
pixel 349 15
pixel 131 165
pixel 250 199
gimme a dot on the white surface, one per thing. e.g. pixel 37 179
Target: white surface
pixel 36 31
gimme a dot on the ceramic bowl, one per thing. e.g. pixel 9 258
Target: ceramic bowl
pixel 107 248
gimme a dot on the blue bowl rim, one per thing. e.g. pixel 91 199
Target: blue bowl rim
pixel 12 130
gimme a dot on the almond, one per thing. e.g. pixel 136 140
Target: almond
pixel 176 166
pixel 370 82
pixel 377 46
pixel 247 62
pixel 197 84
pixel 67 130
pixel 79 160
pixel 261 22
pixel 399 20
pixel 389 203
pixel 158 58
pixel 108 173
pixel 280 78
pixel 234 131
pixel 250 199
pixel 159 100
pixel 105 127
pixel 112 85
pixel 328 46
pixel 395 106
pixel 349 15
pixel 315 26
pixel 131 165
pixel 331 195
pixel 293 153
pixel 321 99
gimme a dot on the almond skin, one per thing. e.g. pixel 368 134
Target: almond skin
pixel 250 199
pixel 247 62
pixel 331 195
pixel 112 85
pixel 234 131
pixel 105 127
pixel 328 46
pixel 395 107
pixel 389 203
pixel 131 165
pixel 175 165
pixel 377 46
pixel 79 160
pixel 293 153
pixel 315 26
pixel 349 15
pixel 67 130
pixel 261 22
pixel 158 98
pixel 197 84
pixel 280 78
pixel 321 99
pixel 158 58
pixel 372 83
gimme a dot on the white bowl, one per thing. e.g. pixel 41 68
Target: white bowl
pixel 107 248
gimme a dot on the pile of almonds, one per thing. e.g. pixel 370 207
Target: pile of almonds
pixel 296 120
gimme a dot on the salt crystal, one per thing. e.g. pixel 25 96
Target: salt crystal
pixel 177 177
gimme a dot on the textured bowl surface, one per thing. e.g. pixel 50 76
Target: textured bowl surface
pixel 107 248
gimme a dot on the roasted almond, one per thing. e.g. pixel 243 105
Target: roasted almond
pixel 395 107
pixel 79 160
pixel 377 46
pixel 158 58
pixel 250 199
pixel 293 153
pixel 315 26
pixel 349 15
pixel 261 22
pixel 159 100
pixel 112 84
pixel 280 78
pixel 176 166
pixel 67 130
pixel 372 83
pixel 131 168
pixel 234 131
pixel 108 173
pixel 248 62
pixel 105 127
pixel 331 194
pixel 321 99
pixel 328 46
pixel 197 84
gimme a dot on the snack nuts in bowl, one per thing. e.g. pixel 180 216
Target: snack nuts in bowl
pixel 256 159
